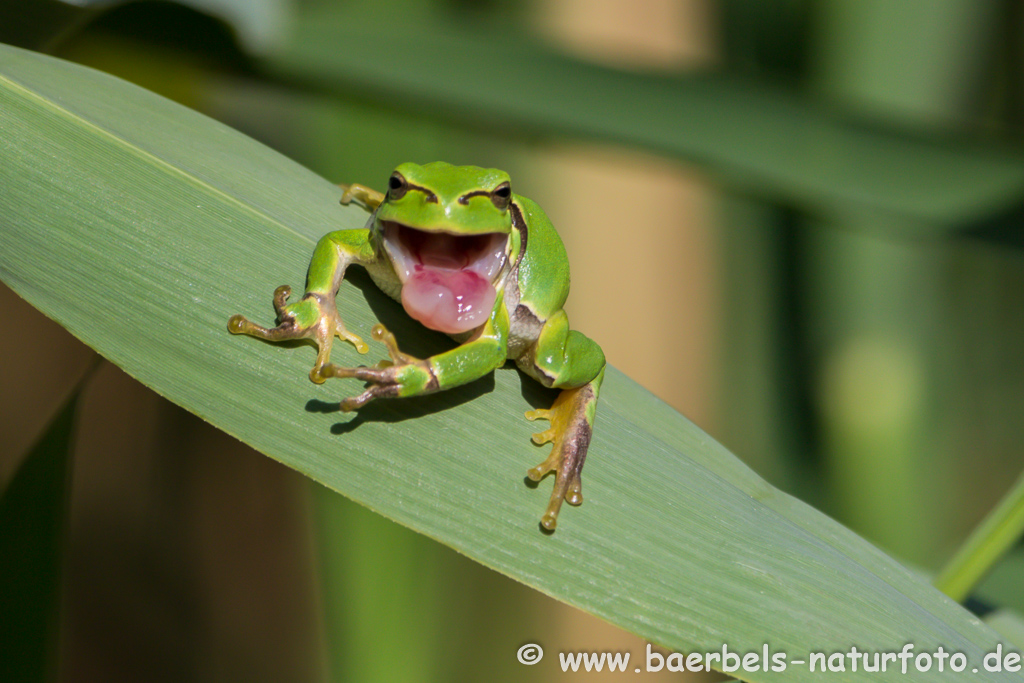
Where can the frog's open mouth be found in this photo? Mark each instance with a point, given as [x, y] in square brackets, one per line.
[448, 280]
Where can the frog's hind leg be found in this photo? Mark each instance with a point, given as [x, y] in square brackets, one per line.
[572, 421]
[571, 361]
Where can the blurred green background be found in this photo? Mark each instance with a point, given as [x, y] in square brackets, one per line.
[800, 223]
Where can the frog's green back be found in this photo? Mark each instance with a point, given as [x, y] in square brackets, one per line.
[544, 270]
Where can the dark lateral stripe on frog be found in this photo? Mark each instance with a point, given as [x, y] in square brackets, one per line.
[580, 431]
[524, 315]
[519, 224]
[579, 441]
[432, 383]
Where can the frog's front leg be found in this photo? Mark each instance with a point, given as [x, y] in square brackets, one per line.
[567, 360]
[366, 196]
[405, 375]
[315, 316]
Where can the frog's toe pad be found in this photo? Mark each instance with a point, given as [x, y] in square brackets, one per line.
[537, 473]
[551, 464]
[239, 324]
[571, 494]
[354, 339]
[550, 520]
[574, 496]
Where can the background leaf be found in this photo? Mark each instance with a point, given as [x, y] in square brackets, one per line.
[757, 135]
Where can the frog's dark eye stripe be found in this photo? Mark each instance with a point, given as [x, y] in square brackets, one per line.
[398, 186]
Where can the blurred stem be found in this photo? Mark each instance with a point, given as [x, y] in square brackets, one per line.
[985, 546]
[33, 523]
[382, 594]
[875, 304]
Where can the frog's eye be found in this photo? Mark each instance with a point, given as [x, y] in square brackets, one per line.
[502, 195]
[397, 186]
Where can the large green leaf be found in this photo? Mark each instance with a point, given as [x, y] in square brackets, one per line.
[1009, 624]
[141, 226]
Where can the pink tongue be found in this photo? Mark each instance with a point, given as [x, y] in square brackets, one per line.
[449, 301]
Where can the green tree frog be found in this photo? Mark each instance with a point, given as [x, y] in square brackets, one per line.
[467, 257]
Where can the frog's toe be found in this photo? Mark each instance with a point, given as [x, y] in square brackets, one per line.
[281, 295]
[550, 519]
[382, 334]
[354, 339]
[547, 436]
[374, 392]
[568, 489]
[545, 468]
[239, 324]
[568, 486]
[378, 375]
[538, 414]
[285, 330]
[574, 493]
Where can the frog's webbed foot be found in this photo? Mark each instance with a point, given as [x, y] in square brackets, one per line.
[569, 434]
[314, 317]
[403, 375]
